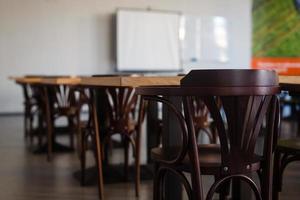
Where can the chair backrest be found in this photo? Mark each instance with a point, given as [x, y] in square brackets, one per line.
[246, 98]
[60, 96]
[121, 107]
[67, 99]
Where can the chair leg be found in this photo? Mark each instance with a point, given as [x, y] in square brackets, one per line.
[83, 158]
[126, 164]
[156, 189]
[137, 166]
[50, 142]
[72, 126]
[40, 129]
[277, 179]
[30, 131]
[25, 124]
[236, 189]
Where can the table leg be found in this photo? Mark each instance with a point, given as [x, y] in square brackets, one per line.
[152, 128]
[49, 124]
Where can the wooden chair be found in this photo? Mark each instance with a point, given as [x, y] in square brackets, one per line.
[62, 101]
[33, 111]
[120, 119]
[63, 104]
[286, 150]
[36, 96]
[29, 110]
[247, 97]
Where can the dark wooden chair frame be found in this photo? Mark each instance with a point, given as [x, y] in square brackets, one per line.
[286, 150]
[32, 110]
[123, 104]
[285, 153]
[245, 108]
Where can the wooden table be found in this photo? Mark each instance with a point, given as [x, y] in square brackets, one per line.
[120, 81]
[129, 81]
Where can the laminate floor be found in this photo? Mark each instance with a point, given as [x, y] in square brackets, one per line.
[27, 176]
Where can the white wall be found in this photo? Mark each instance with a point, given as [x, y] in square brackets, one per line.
[77, 36]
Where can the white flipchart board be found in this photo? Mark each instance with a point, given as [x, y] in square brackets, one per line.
[148, 40]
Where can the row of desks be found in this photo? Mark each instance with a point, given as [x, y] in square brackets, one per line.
[127, 81]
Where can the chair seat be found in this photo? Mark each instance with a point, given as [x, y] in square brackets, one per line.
[209, 157]
[121, 126]
[289, 145]
[66, 111]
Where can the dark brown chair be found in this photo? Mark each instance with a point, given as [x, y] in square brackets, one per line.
[33, 111]
[247, 98]
[30, 106]
[122, 107]
[63, 101]
[286, 150]
[120, 119]
[36, 96]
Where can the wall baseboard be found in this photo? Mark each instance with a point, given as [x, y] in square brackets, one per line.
[3, 114]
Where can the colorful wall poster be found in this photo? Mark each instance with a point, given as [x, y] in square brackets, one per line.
[276, 35]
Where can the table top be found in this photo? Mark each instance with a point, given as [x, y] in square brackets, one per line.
[128, 81]
[289, 79]
[121, 81]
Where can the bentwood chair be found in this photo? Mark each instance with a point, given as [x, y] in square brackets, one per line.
[286, 150]
[29, 110]
[33, 106]
[120, 119]
[246, 98]
[63, 103]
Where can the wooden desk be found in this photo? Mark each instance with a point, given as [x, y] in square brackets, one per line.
[122, 80]
[119, 81]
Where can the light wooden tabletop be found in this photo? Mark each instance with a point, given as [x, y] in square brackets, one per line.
[289, 79]
[26, 79]
[130, 81]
